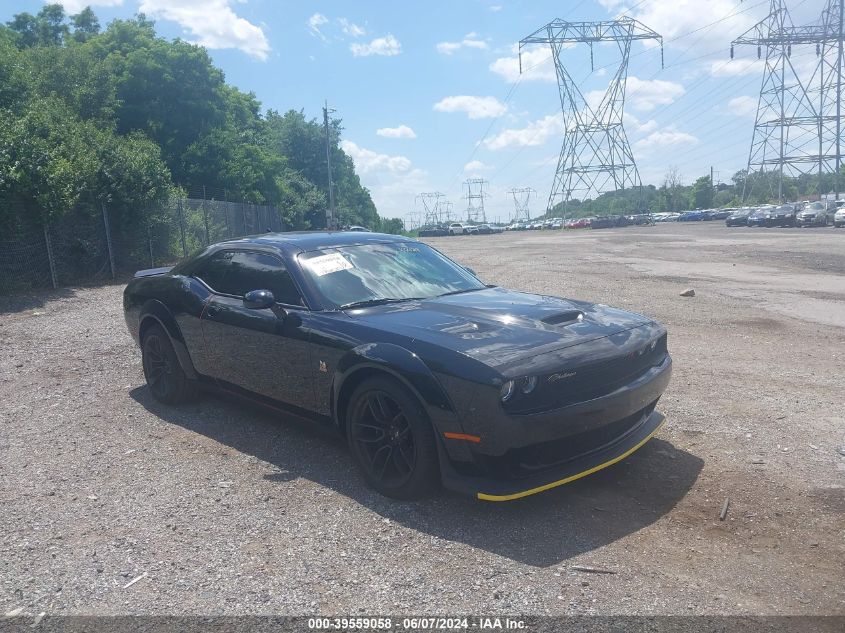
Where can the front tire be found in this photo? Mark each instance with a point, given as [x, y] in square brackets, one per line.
[162, 369]
[392, 440]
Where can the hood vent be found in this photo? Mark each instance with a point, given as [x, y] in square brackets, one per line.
[563, 317]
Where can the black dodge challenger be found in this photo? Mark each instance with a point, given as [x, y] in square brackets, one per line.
[433, 376]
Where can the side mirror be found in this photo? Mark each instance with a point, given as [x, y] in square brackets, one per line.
[259, 299]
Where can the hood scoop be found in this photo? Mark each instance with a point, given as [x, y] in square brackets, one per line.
[570, 316]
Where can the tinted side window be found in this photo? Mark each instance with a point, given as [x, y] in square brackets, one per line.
[258, 271]
[213, 270]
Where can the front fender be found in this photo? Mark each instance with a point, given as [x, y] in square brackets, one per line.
[156, 310]
[401, 363]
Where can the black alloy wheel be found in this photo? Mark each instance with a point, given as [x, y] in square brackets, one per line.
[162, 370]
[391, 440]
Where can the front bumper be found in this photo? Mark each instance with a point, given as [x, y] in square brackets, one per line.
[488, 489]
[520, 455]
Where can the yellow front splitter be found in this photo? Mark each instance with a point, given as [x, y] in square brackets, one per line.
[570, 478]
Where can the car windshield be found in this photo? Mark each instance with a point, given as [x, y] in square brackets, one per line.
[379, 273]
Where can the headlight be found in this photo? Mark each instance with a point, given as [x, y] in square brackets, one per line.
[528, 384]
[507, 390]
[525, 385]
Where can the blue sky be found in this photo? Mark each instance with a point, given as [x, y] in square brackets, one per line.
[430, 93]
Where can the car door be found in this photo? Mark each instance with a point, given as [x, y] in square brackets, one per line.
[261, 350]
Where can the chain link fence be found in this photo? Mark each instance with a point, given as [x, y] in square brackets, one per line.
[86, 247]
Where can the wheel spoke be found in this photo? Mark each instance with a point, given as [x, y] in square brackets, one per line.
[401, 461]
[378, 408]
[380, 435]
[382, 455]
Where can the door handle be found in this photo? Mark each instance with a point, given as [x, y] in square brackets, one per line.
[211, 310]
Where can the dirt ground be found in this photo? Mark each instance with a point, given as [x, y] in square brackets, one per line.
[222, 508]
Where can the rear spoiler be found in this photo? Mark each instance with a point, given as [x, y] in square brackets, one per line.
[151, 272]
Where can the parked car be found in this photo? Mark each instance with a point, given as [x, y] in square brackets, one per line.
[721, 214]
[435, 230]
[782, 215]
[355, 227]
[691, 216]
[608, 222]
[739, 217]
[839, 217]
[483, 229]
[666, 217]
[758, 217]
[814, 214]
[431, 376]
[458, 228]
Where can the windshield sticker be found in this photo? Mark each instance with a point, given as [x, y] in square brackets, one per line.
[327, 264]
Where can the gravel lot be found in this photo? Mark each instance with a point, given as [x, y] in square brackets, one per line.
[227, 509]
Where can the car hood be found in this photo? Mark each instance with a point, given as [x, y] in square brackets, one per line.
[500, 327]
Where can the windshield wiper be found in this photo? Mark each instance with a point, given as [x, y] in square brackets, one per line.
[457, 292]
[377, 302]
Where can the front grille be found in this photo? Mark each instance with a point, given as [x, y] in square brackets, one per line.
[531, 460]
[589, 381]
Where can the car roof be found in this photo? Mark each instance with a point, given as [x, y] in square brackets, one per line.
[301, 241]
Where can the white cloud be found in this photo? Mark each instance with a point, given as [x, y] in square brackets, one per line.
[664, 139]
[535, 133]
[72, 7]
[674, 20]
[402, 131]
[367, 161]
[647, 94]
[470, 41]
[475, 107]
[475, 167]
[387, 46]
[634, 126]
[315, 22]
[350, 28]
[736, 67]
[495, 7]
[743, 106]
[212, 23]
[537, 65]
[394, 194]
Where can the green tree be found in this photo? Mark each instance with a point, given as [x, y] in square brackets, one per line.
[85, 25]
[701, 196]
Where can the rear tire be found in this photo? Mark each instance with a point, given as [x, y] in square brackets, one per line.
[162, 369]
[392, 440]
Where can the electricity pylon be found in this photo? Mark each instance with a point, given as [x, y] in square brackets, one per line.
[595, 153]
[521, 197]
[431, 206]
[445, 209]
[798, 127]
[475, 199]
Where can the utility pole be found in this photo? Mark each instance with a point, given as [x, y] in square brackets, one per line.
[330, 213]
[595, 154]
